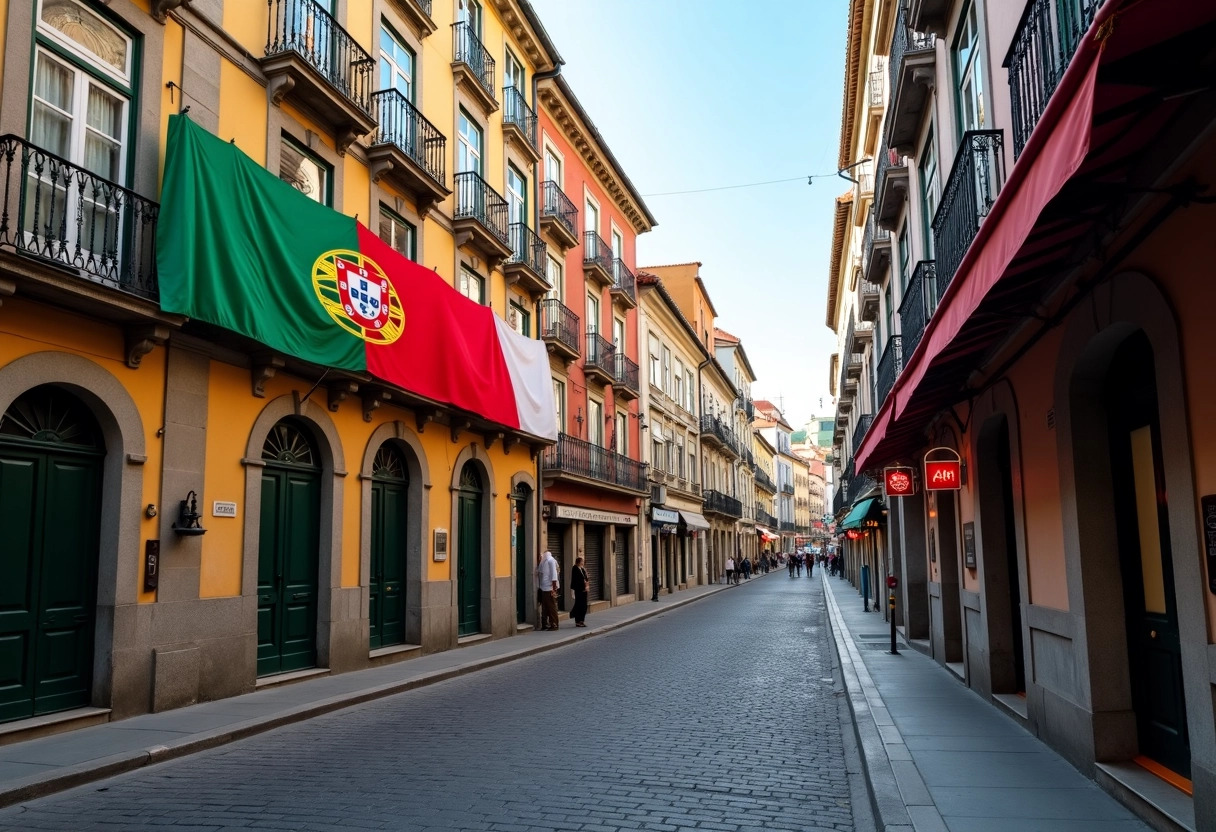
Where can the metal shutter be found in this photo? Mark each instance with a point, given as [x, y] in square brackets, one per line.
[593, 544]
[622, 561]
[556, 535]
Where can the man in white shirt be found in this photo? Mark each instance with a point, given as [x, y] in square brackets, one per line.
[730, 569]
[546, 590]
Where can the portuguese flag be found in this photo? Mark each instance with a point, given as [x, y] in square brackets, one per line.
[239, 248]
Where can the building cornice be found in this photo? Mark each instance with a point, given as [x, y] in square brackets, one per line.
[521, 21]
[840, 223]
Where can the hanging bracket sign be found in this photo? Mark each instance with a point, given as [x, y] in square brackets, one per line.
[898, 481]
[943, 474]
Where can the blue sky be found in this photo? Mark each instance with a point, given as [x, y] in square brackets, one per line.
[694, 94]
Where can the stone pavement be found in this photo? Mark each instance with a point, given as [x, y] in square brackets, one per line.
[42, 766]
[724, 715]
[940, 758]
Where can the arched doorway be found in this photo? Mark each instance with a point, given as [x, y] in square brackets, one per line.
[389, 547]
[51, 453]
[523, 564]
[1141, 510]
[468, 559]
[288, 550]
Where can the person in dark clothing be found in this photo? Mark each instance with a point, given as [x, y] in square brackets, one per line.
[580, 583]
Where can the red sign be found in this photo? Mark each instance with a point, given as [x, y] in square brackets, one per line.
[943, 475]
[892, 581]
[898, 481]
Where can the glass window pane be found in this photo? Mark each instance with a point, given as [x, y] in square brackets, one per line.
[303, 173]
[92, 34]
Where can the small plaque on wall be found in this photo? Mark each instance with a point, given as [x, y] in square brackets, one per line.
[441, 545]
[1208, 510]
[969, 545]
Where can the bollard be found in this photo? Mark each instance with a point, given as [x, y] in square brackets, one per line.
[892, 582]
[865, 587]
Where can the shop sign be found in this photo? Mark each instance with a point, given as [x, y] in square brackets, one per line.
[943, 474]
[898, 481]
[592, 515]
[664, 515]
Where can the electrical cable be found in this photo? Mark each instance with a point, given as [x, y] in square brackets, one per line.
[809, 180]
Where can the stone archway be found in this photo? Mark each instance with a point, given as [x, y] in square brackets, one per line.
[490, 592]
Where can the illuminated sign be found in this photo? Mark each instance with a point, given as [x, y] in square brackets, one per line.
[898, 481]
[943, 475]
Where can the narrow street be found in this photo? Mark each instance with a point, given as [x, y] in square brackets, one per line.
[719, 715]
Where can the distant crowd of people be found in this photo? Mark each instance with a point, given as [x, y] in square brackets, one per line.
[742, 568]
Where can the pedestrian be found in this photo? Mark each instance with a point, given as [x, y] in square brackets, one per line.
[580, 583]
[810, 564]
[730, 570]
[790, 565]
[747, 569]
[546, 591]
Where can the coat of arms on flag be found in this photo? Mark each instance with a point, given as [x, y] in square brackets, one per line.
[358, 295]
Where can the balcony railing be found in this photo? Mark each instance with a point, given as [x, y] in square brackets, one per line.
[1046, 39]
[559, 323]
[838, 501]
[477, 200]
[303, 27]
[623, 280]
[515, 111]
[905, 40]
[600, 353]
[555, 203]
[787, 488]
[786, 525]
[529, 249]
[625, 372]
[876, 89]
[597, 253]
[720, 503]
[469, 50]
[719, 428]
[914, 308]
[873, 234]
[860, 429]
[889, 366]
[764, 480]
[402, 125]
[975, 179]
[62, 213]
[764, 518]
[572, 455]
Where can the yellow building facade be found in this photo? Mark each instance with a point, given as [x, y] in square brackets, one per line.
[241, 516]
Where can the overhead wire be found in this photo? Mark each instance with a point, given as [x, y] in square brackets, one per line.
[809, 179]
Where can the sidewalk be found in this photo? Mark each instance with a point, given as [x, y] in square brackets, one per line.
[940, 758]
[38, 767]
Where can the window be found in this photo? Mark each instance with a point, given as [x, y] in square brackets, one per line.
[680, 458]
[559, 403]
[398, 234]
[618, 335]
[618, 252]
[469, 144]
[622, 434]
[669, 457]
[472, 286]
[396, 63]
[930, 190]
[656, 453]
[678, 381]
[593, 314]
[591, 217]
[520, 319]
[968, 72]
[595, 422]
[904, 256]
[512, 74]
[305, 172]
[469, 11]
[666, 371]
[81, 115]
[554, 272]
[690, 392]
[517, 196]
[655, 376]
[889, 325]
[692, 465]
[553, 166]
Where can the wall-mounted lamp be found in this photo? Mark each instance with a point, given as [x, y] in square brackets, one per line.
[187, 517]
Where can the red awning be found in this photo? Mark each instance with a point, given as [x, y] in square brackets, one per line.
[1111, 104]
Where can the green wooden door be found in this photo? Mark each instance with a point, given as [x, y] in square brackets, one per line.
[289, 541]
[468, 561]
[50, 497]
[390, 508]
[523, 570]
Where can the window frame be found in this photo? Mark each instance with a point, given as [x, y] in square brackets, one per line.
[413, 232]
[387, 61]
[462, 143]
[525, 318]
[465, 274]
[301, 148]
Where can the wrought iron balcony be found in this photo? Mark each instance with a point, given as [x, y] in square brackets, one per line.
[787, 525]
[716, 430]
[718, 503]
[765, 519]
[838, 503]
[624, 285]
[764, 481]
[417, 13]
[529, 260]
[875, 251]
[1046, 39]
[519, 122]
[859, 486]
[598, 364]
[579, 458]
[868, 303]
[558, 216]
[625, 377]
[911, 64]
[975, 180]
[877, 93]
[473, 65]
[787, 488]
[890, 187]
[889, 367]
[408, 150]
[312, 60]
[64, 214]
[597, 259]
[860, 429]
[480, 218]
[915, 308]
[559, 328]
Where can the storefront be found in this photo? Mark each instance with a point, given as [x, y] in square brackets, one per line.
[607, 542]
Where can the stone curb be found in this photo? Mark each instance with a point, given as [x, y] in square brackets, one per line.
[69, 777]
[898, 795]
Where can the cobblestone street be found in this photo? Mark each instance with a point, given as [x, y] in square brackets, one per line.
[719, 715]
